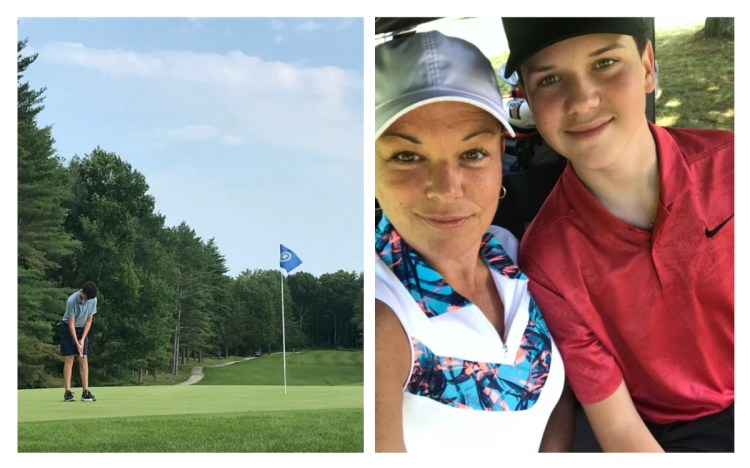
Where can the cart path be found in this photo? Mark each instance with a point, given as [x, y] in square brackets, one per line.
[197, 374]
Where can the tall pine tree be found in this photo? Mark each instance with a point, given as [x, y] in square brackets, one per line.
[42, 241]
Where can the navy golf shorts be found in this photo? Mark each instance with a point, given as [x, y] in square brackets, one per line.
[67, 346]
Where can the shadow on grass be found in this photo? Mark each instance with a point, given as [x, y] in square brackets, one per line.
[696, 80]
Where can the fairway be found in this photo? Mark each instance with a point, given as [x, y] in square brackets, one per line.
[47, 405]
[263, 431]
[230, 417]
[309, 367]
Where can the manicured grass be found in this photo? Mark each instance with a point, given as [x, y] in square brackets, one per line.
[321, 411]
[309, 367]
[335, 430]
[696, 80]
[119, 402]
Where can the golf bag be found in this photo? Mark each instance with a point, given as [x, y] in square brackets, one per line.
[530, 166]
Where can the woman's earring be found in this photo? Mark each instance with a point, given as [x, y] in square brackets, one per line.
[503, 192]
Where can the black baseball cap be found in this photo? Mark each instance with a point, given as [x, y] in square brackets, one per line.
[527, 36]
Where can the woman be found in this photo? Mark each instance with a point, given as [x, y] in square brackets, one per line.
[464, 360]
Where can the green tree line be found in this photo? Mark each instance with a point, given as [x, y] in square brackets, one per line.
[164, 294]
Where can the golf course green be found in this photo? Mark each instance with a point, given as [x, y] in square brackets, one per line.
[217, 417]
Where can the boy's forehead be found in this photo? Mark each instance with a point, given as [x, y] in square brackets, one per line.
[527, 36]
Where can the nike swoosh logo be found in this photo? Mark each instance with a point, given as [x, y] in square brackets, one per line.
[712, 232]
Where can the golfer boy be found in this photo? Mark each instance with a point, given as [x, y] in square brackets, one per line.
[74, 341]
[631, 257]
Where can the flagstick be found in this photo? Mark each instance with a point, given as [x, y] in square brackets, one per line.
[283, 332]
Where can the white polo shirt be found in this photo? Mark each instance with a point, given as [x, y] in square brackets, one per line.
[468, 388]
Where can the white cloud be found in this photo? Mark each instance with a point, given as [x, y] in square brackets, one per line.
[346, 23]
[232, 68]
[113, 61]
[309, 25]
[237, 97]
[193, 132]
[231, 140]
[278, 39]
[277, 25]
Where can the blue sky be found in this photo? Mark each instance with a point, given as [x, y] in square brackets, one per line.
[248, 129]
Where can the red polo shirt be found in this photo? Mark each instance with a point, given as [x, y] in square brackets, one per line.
[653, 308]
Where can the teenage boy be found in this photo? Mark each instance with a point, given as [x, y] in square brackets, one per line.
[74, 341]
[631, 257]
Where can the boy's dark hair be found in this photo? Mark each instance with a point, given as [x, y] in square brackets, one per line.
[89, 289]
[640, 41]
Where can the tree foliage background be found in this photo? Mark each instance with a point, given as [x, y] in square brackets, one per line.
[164, 292]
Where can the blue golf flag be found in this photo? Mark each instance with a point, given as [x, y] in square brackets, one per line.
[288, 259]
